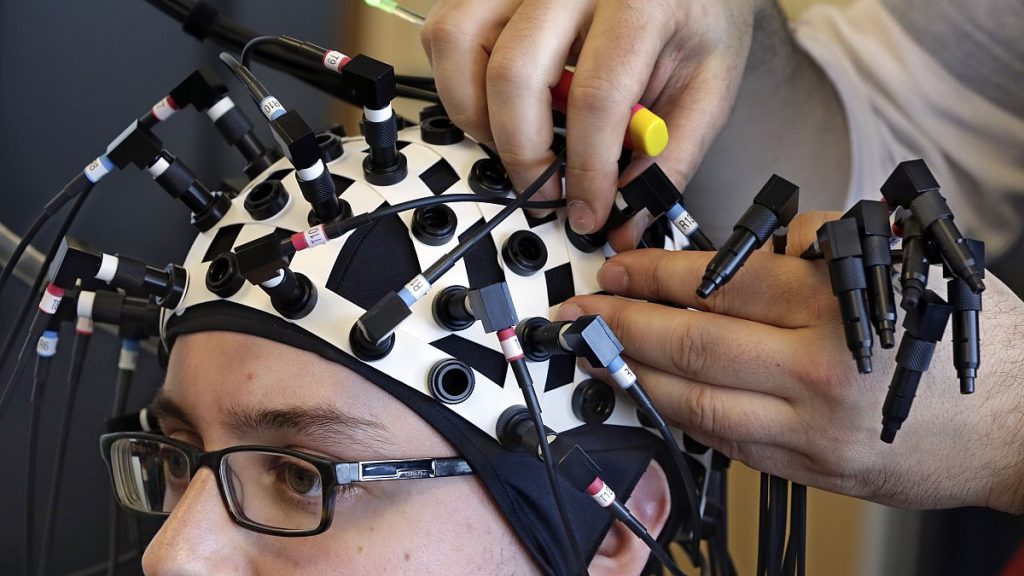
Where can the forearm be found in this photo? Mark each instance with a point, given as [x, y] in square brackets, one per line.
[787, 119]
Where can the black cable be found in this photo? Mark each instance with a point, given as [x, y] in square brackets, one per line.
[622, 514]
[78, 352]
[32, 297]
[341, 227]
[229, 35]
[644, 404]
[525, 381]
[798, 530]
[762, 525]
[78, 185]
[122, 387]
[42, 371]
[256, 89]
[437, 269]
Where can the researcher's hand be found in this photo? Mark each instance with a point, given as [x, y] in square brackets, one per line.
[763, 375]
[495, 63]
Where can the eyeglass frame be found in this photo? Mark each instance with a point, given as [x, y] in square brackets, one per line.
[333, 474]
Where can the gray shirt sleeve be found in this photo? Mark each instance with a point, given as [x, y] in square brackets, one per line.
[979, 42]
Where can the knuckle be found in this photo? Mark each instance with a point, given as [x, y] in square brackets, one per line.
[704, 411]
[687, 349]
[443, 32]
[507, 70]
[592, 94]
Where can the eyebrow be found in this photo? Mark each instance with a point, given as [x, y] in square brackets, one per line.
[319, 424]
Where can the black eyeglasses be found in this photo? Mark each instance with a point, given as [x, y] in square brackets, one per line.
[265, 489]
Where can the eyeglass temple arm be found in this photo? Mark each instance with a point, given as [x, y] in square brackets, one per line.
[349, 472]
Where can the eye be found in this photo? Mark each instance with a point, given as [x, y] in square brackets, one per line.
[301, 480]
[175, 464]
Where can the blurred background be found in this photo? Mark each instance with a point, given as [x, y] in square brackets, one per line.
[76, 73]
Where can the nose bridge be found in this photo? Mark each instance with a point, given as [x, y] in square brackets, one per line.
[199, 537]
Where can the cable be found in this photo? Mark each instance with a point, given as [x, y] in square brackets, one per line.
[794, 563]
[525, 381]
[77, 186]
[126, 365]
[45, 350]
[256, 88]
[83, 334]
[643, 402]
[444, 264]
[30, 300]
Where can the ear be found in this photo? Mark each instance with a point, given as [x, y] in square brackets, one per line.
[621, 552]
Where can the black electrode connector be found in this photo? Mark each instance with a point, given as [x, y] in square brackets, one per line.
[203, 90]
[840, 244]
[924, 326]
[374, 85]
[872, 218]
[587, 337]
[916, 261]
[966, 321]
[260, 259]
[300, 144]
[73, 260]
[138, 145]
[182, 184]
[293, 295]
[138, 316]
[372, 336]
[166, 286]
[774, 206]
[450, 309]
[913, 187]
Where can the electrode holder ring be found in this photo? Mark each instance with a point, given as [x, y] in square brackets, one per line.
[344, 214]
[366, 350]
[223, 277]
[386, 176]
[301, 307]
[524, 253]
[215, 210]
[434, 225]
[593, 401]
[266, 200]
[331, 147]
[586, 243]
[439, 130]
[488, 177]
[177, 282]
[451, 381]
[440, 305]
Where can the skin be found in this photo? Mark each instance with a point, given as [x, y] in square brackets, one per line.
[760, 371]
[388, 527]
[495, 63]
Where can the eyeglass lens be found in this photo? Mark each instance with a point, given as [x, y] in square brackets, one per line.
[265, 488]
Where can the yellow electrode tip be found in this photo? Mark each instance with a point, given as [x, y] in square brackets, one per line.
[648, 133]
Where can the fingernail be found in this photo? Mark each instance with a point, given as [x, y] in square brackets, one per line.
[613, 278]
[581, 217]
[569, 312]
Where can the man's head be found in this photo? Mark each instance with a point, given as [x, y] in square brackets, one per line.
[228, 389]
[236, 358]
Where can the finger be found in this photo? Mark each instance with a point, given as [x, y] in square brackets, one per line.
[458, 38]
[770, 289]
[702, 346]
[528, 59]
[613, 70]
[628, 235]
[803, 230]
[765, 457]
[725, 413]
[695, 108]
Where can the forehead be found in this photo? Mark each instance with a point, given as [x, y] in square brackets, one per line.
[211, 374]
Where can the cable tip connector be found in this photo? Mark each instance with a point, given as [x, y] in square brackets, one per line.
[887, 338]
[708, 285]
